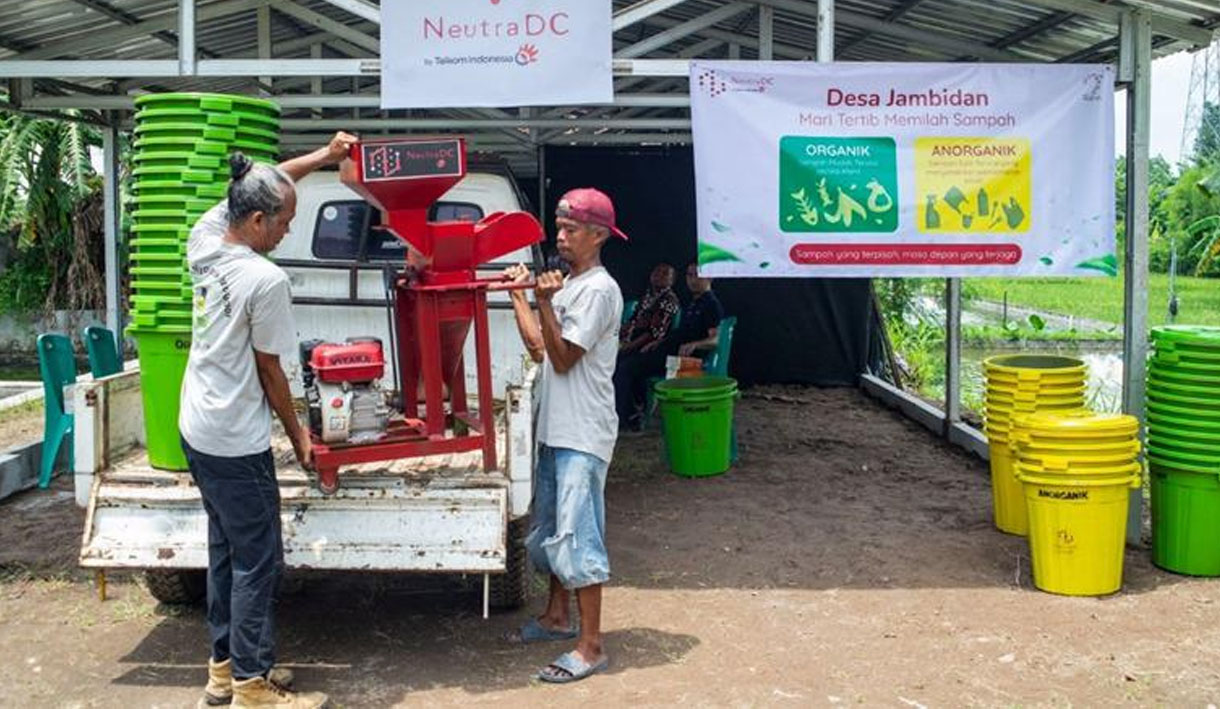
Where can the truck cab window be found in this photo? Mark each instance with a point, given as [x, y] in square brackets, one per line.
[342, 228]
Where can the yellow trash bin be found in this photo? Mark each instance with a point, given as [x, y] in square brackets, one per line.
[1077, 529]
[1077, 470]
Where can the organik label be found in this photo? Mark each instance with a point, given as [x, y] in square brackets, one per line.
[836, 185]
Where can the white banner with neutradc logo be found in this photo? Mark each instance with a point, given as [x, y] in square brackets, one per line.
[460, 53]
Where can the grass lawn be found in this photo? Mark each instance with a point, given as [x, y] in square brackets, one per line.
[1102, 298]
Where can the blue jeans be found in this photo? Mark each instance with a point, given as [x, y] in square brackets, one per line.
[245, 556]
[568, 517]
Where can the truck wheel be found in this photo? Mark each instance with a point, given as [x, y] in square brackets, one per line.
[177, 586]
[508, 590]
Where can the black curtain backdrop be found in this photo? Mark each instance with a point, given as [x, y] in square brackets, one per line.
[789, 330]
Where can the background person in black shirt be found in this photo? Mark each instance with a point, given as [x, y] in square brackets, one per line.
[697, 333]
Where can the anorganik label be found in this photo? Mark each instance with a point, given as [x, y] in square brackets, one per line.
[973, 185]
[837, 185]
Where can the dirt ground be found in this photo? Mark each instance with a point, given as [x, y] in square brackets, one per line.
[849, 559]
[21, 424]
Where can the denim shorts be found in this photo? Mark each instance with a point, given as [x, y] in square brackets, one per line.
[568, 517]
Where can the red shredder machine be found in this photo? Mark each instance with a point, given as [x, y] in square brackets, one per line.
[436, 300]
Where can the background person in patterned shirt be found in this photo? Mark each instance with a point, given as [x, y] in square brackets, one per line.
[653, 315]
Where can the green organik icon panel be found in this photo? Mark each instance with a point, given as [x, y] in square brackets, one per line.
[837, 185]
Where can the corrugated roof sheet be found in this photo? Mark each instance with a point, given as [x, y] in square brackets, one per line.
[1029, 30]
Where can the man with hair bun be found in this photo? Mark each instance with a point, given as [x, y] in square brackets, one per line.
[242, 324]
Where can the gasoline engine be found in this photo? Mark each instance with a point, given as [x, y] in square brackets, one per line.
[343, 390]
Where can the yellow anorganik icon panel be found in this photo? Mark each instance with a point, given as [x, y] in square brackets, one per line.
[973, 185]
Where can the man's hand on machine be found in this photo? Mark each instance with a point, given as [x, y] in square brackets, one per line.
[339, 146]
[548, 284]
[302, 446]
[332, 153]
[516, 276]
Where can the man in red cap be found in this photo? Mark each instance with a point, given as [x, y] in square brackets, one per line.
[575, 338]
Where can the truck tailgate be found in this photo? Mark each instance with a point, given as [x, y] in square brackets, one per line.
[389, 523]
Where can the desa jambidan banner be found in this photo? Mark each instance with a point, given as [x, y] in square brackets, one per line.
[848, 170]
[456, 53]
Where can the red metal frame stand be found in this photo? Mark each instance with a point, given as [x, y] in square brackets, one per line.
[436, 308]
[435, 360]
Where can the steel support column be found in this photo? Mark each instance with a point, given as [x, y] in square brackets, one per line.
[110, 205]
[263, 29]
[1136, 62]
[826, 30]
[766, 33]
[186, 37]
[953, 353]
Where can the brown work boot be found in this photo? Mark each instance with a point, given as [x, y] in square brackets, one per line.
[263, 693]
[220, 682]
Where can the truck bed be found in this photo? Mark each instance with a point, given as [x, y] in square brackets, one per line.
[465, 468]
[439, 513]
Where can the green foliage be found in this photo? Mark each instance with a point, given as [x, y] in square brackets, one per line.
[918, 339]
[1205, 234]
[23, 286]
[1161, 179]
[1176, 202]
[1189, 204]
[50, 215]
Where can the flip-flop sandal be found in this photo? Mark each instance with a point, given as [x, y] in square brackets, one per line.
[575, 667]
[535, 632]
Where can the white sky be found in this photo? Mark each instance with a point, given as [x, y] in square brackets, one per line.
[1170, 91]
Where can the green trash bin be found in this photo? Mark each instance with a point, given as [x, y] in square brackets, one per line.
[1185, 519]
[1183, 408]
[697, 420]
[163, 356]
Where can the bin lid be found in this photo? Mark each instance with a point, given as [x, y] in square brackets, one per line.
[1032, 366]
[186, 114]
[1165, 465]
[1203, 336]
[1081, 423]
[206, 101]
[1116, 478]
[696, 388]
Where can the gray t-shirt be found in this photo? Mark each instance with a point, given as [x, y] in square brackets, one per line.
[242, 303]
[577, 409]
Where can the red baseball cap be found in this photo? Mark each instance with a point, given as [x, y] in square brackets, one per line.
[589, 206]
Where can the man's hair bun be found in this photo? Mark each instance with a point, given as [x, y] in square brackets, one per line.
[239, 165]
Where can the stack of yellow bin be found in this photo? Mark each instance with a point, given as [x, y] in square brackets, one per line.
[1018, 385]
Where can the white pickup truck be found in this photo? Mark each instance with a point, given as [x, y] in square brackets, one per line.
[435, 514]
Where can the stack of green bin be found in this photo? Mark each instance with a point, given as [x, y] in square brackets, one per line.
[182, 144]
[1183, 411]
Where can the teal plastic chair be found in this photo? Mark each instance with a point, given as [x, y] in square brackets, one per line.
[57, 365]
[628, 311]
[716, 363]
[103, 352]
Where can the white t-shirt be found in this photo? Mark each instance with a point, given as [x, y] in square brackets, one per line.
[242, 303]
[577, 409]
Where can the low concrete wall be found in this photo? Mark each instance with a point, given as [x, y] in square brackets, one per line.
[19, 331]
[960, 434]
[19, 467]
